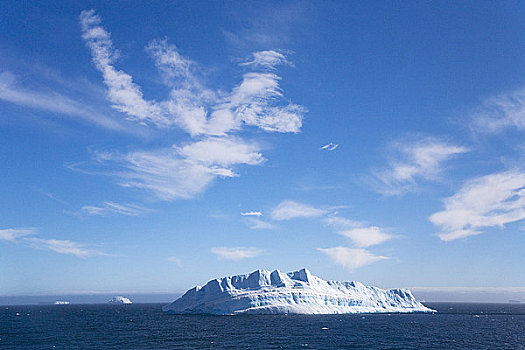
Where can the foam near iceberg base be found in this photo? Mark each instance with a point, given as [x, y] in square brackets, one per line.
[298, 292]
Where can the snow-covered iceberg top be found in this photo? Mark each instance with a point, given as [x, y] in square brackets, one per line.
[119, 300]
[298, 292]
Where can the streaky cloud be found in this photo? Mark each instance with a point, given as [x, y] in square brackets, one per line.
[500, 112]
[190, 106]
[258, 224]
[14, 234]
[182, 172]
[330, 146]
[351, 258]
[412, 162]
[289, 209]
[210, 118]
[108, 208]
[489, 201]
[54, 102]
[236, 253]
[25, 236]
[269, 59]
[364, 237]
[251, 213]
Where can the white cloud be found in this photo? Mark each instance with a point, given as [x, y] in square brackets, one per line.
[19, 235]
[351, 258]
[192, 107]
[125, 95]
[175, 260]
[175, 67]
[489, 201]
[209, 117]
[330, 146]
[236, 253]
[222, 152]
[182, 172]
[108, 208]
[500, 112]
[421, 160]
[287, 210]
[14, 234]
[267, 59]
[340, 222]
[253, 103]
[366, 236]
[251, 213]
[63, 247]
[258, 224]
[53, 102]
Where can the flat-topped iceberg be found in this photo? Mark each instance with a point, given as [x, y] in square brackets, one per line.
[298, 292]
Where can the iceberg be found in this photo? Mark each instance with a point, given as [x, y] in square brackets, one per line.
[119, 300]
[298, 292]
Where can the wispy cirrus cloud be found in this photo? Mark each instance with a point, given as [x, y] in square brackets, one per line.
[364, 237]
[175, 260]
[258, 224]
[181, 172]
[109, 208]
[55, 102]
[339, 222]
[209, 117]
[414, 161]
[190, 106]
[330, 146]
[25, 236]
[236, 253]
[351, 258]
[269, 59]
[360, 235]
[288, 209]
[14, 234]
[489, 201]
[498, 113]
[251, 213]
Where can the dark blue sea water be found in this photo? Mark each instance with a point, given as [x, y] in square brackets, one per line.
[145, 326]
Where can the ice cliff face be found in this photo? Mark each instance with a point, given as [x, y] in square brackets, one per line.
[298, 292]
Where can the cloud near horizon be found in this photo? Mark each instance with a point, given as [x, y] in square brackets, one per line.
[208, 117]
[489, 201]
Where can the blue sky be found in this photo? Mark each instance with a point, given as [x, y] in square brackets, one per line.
[154, 147]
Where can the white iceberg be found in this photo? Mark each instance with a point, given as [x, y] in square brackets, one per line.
[298, 292]
[119, 300]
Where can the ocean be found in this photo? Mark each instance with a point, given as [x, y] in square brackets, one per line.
[145, 326]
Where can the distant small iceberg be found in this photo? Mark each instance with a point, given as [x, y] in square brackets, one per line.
[56, 302]
[119, 300]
